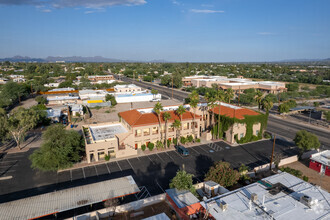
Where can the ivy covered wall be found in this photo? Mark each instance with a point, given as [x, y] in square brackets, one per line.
[249, 120]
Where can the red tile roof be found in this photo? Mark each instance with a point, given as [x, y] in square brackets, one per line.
[231, 112]
[134, 118]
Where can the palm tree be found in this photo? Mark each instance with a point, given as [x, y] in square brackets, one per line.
[180, 111]
[166, 116]
[211, 104]
[229, 95]
[267, 104]
[258, 98]
[177, 125]
[193, 102]
[219, 97]
[158, 108]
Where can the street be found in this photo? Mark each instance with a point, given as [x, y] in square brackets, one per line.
[153, 171]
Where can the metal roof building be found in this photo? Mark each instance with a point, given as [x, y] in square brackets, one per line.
[64, 200]
[282, 196]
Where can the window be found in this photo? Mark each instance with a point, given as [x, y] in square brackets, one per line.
[257, 132]
[138, 133]
[155, 130]
[170, 129]
[242, 135]
[146, 131]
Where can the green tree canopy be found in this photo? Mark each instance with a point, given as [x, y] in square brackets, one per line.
[60, 149]
[223, 174]
[306, 140]
[183, 181]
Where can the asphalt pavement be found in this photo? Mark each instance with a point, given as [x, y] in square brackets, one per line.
[153, 171]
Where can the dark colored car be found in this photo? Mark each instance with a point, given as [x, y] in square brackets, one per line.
[182, 150]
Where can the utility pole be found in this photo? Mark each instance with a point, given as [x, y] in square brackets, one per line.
[172, 86]
[271, 159]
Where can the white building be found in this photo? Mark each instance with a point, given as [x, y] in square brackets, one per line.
[281, 196]
[137, 97]
[127, 88]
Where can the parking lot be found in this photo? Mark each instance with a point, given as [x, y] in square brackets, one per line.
[153, 171]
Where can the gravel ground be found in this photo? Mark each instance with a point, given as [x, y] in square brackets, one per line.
[313, 176]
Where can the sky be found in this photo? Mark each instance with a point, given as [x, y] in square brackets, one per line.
[171, 30]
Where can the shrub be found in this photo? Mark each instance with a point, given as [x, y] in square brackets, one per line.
[107, 111]
[77, 114]
[168, 143]
[143, 147]
[183, 140]
[305, 178]
[197, 140]
[267, 135]
[107, 157]
[175, 141]
[294, 172]
[159, 145]
[151, 146]
[190, 139]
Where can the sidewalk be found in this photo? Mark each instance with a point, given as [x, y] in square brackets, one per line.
[141, 153]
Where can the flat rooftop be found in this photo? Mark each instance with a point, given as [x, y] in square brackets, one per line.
[104, 132]
[279, 201]
[182, 198]
[322, 157]
[64, 200]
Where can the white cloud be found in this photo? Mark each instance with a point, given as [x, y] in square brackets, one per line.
[206, 11]
[207, 5]
[46, 10]
[176, 2]
[95, 4]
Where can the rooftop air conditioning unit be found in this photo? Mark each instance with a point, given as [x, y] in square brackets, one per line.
[223, 205]
[307, 200]
[254, 197]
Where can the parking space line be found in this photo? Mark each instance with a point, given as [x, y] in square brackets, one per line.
[160, 158]
[203, 149]
[159, 186]
[96, 170]
[71, 175]
[83, 172]
[195, 150]
[151, 160]
[169, 156]
[108, 168]
[198, 180]
[130, 164]
[178, 154]
[119, 166]
[138, 158]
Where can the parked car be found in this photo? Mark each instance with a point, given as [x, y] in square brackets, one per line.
[182, 150]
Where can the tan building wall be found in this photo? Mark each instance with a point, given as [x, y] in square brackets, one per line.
[240, 130]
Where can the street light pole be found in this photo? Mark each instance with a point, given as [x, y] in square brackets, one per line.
[271, 159]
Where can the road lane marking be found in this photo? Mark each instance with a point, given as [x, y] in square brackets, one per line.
[178, 154]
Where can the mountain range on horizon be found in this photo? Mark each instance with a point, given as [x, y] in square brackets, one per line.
[100, 59]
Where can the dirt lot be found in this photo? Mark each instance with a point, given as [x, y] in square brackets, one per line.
[313, 176]
[28, 103]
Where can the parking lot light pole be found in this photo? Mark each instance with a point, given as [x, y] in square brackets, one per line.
[271, 159]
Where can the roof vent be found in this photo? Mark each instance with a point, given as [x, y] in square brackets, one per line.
[307, 200]
[254, 197]
[223, 206]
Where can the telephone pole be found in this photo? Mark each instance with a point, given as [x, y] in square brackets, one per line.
[271, 159]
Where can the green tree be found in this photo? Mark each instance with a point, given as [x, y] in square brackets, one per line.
[193, 102]
[316, 104]
[258, 98]
[154, 92]
[223, 174]
[111, 98]
[180, 111]
[41, 100]
[267, 104]
[3, 124]
[177, 126]
[20, 122]
[59, 150]
[166, 116]
[292, 87]
[183, 181]
[282, 108]
[229, 95]
[158, 108]
[306, 140]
